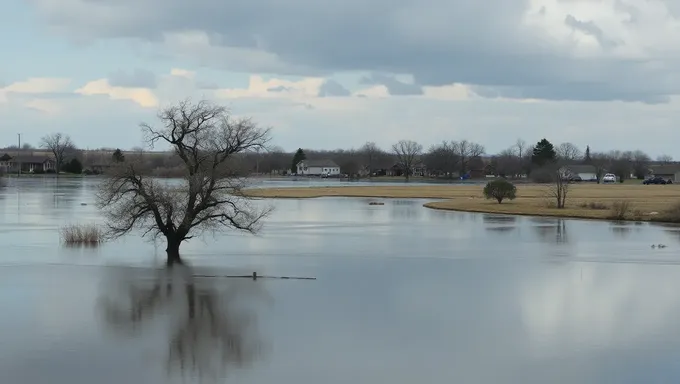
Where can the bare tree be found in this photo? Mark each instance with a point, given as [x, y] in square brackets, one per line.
[560, 185]
[369, 152]
[601, 162]
[408, 154]
[465, 151]
[568, 151]
[520, 145]
[59, 144]
[666, 159]
[210, 197]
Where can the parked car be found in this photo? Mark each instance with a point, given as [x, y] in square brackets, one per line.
[656, 180]
[609, 178]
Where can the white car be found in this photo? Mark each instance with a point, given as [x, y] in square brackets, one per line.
[609, 178]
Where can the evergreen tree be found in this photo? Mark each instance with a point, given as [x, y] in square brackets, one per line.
[544, 153]
[118, 156]
[298, 157]
[586, 158]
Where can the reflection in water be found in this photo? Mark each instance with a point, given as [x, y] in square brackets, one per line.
[622, 229]
[499, 219]
[210, 329]
[500, 223]
[550, 230]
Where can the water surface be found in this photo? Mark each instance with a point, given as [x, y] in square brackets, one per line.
[403, 294]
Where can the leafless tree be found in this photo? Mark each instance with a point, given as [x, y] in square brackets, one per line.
[520, 145]
[666, 159]
[506, 163]
[60, 145]
[210, 196]
[369, 153]
[408, 154]
[465, 151]
[601, 162]
[560, 186]
[568, 152]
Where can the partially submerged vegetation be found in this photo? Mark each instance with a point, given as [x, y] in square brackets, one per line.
[82, 234]
[589, 201]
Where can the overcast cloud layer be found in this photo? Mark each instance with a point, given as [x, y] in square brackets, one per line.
[547, 49]
[330, 74]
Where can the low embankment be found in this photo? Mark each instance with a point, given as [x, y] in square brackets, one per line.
[589, 201]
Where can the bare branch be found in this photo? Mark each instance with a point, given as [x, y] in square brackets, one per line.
[59, 144]
[210, 196]
[408, 154]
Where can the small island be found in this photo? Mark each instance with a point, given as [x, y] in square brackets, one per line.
[587, 201]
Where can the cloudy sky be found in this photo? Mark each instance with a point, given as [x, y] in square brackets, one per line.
[329, 74]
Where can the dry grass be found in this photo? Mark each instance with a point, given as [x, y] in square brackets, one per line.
[620, 210]
[590, 201]
[82, 234]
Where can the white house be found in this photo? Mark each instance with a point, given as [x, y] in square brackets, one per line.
[318, 168]
[586, 172]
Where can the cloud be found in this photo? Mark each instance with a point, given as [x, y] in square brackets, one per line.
[37, 85]
[547, 49]
[142, 96]
[258, 87]
[332, 88]
[394, 86]
[45, 106]
[139, 78]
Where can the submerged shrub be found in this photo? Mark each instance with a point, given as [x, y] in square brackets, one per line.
[500, 190]
[85, 234]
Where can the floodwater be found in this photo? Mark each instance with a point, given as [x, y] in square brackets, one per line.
[403, 294]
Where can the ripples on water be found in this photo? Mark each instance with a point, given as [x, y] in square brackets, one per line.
[404, 294]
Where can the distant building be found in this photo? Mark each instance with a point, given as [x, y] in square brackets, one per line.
[318, 168]
[29, 163]
[667, 171]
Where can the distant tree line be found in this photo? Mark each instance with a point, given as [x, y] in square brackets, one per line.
[448, 159]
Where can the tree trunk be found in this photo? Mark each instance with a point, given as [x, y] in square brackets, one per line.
[173, 252]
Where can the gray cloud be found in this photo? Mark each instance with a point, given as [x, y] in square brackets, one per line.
[332, 88]
[483, 43]
[394, 86]
[139, 78]
[591, 29]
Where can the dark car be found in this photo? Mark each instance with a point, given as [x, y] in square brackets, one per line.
[656, 180]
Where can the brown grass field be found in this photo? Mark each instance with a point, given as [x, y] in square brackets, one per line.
[588, 201]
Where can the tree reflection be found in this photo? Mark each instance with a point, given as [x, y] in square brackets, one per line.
[551, 229]
[210, 329]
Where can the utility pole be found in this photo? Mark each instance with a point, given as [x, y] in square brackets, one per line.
[18, 154]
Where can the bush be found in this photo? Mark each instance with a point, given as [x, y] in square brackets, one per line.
[74, 166]
[83, 234]
[671, 215]
[51, 171]
[620, 210]
[542, 175]
[500, 190]
[594, 205]
[38, 171]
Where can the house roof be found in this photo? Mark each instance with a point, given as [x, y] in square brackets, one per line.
[33, 159]
[5, 157]
[667, 169]
[320, 163]
[582, 168]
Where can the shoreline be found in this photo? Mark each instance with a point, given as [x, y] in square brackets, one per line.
[584, 202]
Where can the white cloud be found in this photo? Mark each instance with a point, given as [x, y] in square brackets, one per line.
[182, 73]
[274, 88]
[49, 107]
[142, 96]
